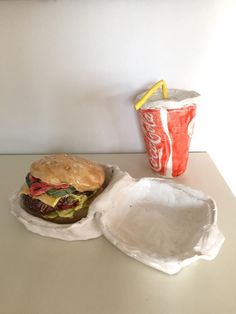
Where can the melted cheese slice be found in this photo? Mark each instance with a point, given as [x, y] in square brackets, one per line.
[46, 199]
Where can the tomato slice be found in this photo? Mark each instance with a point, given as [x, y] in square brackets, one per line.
[33, 179]
[38, 187]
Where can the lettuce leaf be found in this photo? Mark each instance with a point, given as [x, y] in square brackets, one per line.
[61, 192]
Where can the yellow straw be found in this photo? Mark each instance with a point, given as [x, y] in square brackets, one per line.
[151, 91]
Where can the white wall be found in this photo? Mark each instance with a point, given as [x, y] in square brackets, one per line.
[69, 71]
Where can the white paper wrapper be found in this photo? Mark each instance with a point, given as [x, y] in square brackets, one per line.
[162, 224]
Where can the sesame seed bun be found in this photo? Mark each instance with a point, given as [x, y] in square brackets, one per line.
[82, 174]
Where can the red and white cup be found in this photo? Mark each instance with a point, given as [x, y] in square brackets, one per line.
[167, 126]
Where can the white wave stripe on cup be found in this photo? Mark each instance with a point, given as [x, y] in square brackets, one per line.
[164, 121]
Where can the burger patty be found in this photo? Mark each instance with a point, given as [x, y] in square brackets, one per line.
[39, 207]
[28, 204]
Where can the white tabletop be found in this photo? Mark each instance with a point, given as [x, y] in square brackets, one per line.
[41, 275]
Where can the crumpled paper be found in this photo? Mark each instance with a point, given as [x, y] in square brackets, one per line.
[160, 223]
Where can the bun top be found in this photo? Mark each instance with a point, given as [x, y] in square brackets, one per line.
[82, 174]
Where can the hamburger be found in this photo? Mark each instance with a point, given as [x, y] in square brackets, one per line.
[60, 188]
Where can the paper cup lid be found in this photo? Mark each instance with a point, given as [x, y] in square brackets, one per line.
[178, 98]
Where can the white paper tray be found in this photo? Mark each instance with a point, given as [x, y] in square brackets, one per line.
[162, 224]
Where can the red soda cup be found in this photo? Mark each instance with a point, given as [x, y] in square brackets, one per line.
[167, 126]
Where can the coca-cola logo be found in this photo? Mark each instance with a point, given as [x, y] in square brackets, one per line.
[152, 139]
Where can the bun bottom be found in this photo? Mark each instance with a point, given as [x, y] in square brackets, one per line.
[81, 213]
